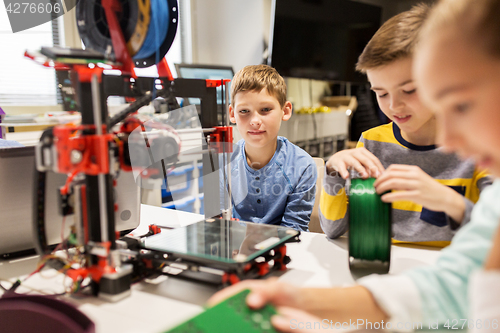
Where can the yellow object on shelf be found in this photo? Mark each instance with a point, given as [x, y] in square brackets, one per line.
[341, 103]
[320, 109]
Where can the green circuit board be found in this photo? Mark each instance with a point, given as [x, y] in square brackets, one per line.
[231, 315]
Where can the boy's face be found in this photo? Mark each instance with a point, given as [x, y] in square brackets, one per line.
[258, 116]
[398, 99]
[462, 85]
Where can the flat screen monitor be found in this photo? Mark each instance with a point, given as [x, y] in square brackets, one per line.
[321, 39]
[210, 72]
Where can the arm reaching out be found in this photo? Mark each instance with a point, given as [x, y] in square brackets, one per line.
[333, 210]
[337, 304]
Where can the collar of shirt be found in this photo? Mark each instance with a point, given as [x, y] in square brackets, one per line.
[273, 160]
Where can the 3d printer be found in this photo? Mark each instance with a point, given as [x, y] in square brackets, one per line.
[122, 35]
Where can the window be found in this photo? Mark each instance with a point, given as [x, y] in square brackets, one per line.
[26, 83]
[22, 81]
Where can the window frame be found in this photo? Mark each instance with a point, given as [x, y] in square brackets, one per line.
[68, 33]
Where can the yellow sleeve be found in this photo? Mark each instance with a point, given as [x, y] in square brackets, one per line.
[333, 207]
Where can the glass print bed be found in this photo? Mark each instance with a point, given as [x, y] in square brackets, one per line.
[220, 240]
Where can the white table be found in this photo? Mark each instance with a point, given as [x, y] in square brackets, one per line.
[156, 306]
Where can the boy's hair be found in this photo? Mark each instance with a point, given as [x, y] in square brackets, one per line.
[476, 20]
[256, 78]
[394, 40]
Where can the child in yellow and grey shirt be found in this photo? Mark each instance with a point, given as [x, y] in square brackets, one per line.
[411, 221]
[433, 192]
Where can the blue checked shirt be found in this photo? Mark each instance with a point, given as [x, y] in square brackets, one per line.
[280, 193]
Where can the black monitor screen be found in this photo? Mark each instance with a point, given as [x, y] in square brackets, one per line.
[321, 39]
[194, 71]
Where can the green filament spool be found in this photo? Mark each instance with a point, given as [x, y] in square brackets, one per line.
[369, 224]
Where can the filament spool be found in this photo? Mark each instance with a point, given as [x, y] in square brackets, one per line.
[148, 27]
[370, 229]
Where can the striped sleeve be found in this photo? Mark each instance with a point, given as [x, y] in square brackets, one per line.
[334, 203]
[333, 212]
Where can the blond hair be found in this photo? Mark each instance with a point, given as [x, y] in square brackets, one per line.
[476, 20]
[256, 78]
[394, 40]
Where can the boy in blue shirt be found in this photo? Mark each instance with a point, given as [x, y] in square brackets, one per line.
[272, 180]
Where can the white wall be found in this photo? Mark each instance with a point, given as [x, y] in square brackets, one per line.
[228, 32]
[233, 32]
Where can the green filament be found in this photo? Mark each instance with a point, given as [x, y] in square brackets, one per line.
[369, 222]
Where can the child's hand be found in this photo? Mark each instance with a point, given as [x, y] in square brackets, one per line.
[298, 321]
[364, 162]
[412, 184]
